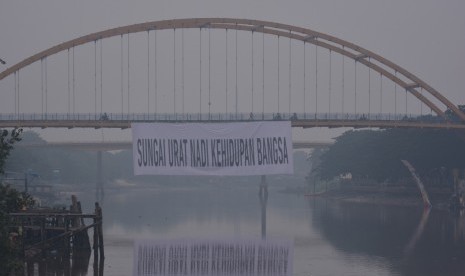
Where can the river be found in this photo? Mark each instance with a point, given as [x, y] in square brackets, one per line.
[330, 237]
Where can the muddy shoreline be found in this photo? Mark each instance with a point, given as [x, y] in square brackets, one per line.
[395, 196]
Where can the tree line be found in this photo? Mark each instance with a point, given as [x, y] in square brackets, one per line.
[377, 154]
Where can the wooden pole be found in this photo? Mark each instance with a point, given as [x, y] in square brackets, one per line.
[100, 239]
[66, 239]
[95, 245]
[42, 233]
[98, 232]
[263, 195]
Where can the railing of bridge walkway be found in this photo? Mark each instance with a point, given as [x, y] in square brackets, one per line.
[144, 117]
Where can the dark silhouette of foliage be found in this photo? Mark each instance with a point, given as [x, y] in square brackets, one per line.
[10, 201]
[7, 139]
[376, 154]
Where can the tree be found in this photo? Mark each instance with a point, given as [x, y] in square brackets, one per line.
[376, 154]
[7, 139]
[10, 201]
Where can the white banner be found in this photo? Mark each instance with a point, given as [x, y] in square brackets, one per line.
[213, 258]
[245, 148]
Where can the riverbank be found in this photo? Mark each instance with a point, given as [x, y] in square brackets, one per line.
[396, 196]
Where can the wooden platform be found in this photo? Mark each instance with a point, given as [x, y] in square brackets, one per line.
[37, 231]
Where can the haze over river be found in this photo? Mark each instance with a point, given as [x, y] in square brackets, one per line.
[330, 237]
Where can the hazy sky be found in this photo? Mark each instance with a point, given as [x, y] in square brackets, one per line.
[426, 37]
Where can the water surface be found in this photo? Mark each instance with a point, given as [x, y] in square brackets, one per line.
[330, 237]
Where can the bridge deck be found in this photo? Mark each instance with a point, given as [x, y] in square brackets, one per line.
[307, 123]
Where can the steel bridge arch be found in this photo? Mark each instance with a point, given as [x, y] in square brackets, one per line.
[385, 67]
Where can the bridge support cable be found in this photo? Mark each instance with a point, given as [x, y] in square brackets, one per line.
[316, 81]
[15, 92]
[155, 72]
[252, 76]
[395, 96]
[129, 80]
[74, 85]
[369, 90]
[209, 74]
[355, 87]
[342, 84]
[19, 91]
[69, 88]
[278, 75]
[42, 86]
[122, 79]
[226, 71]
[182, 69]
[46, 86]
[329, 85]
[289, 77]
[174, 73]
[263, 76]
[101, 75]
[17, 88]
[16, 112]
[200, 73]
[95, 79]
[148, 71]
[305, 80]
[237, 96]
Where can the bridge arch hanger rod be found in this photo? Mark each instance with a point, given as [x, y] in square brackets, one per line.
[329, 42]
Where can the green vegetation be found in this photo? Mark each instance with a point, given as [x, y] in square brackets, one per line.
[376, 155]
[10, 201]
[7, 139]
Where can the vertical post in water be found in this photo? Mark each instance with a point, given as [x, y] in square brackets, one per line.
[263, 195]
[95, 243]
[98, 233]
[42, 234]
[67, 238]
[99, 184]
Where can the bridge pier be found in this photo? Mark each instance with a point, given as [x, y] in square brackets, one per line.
[99, 190]
[263, 195]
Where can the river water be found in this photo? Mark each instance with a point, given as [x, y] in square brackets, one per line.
[330, 237]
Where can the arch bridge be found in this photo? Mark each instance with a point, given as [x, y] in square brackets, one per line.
[217, 69]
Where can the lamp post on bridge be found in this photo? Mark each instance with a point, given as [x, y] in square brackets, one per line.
[2, 61]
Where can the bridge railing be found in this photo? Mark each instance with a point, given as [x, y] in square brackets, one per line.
[141, 117]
